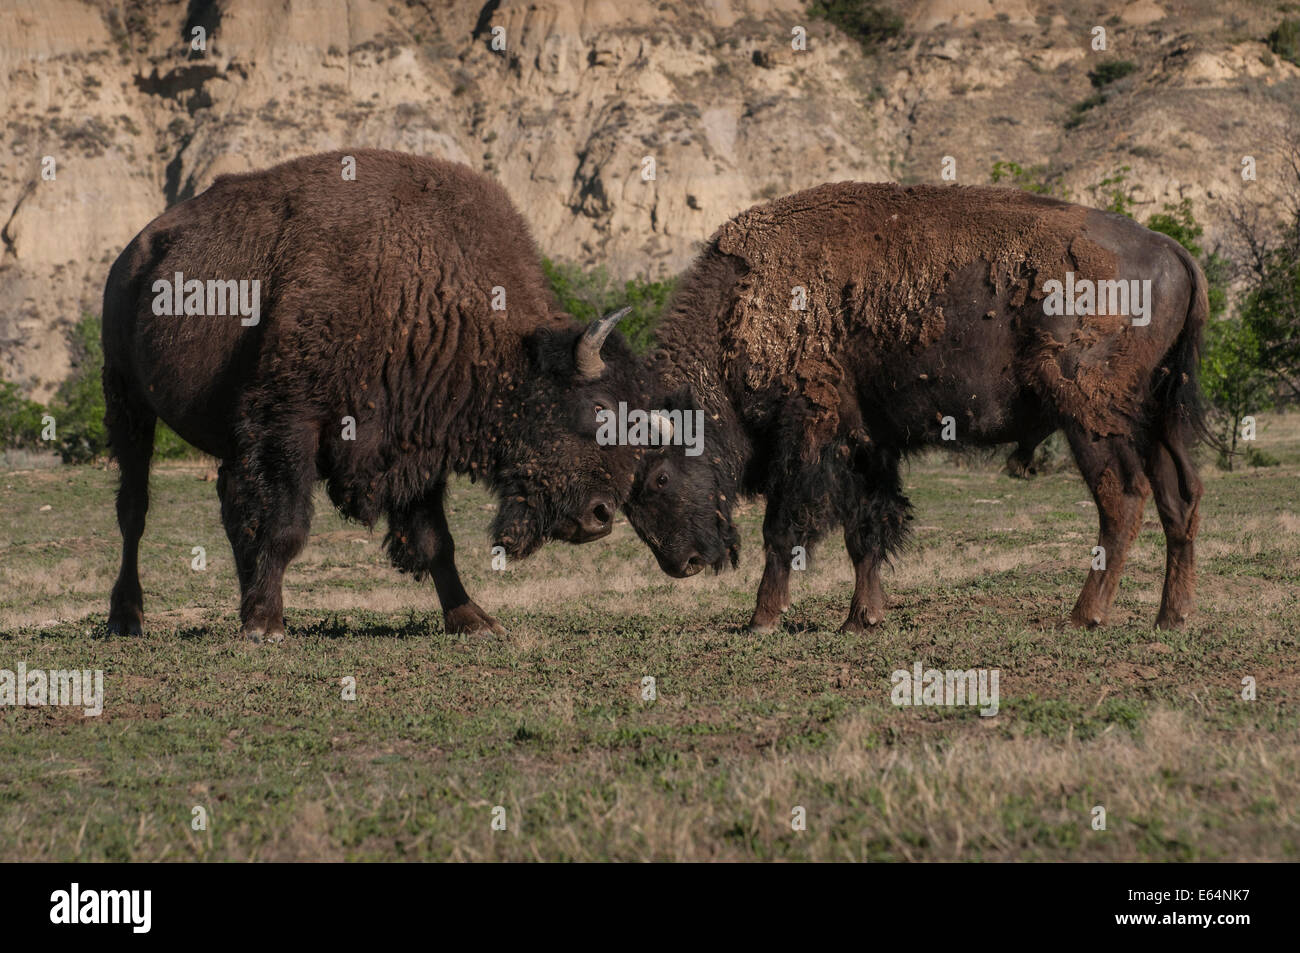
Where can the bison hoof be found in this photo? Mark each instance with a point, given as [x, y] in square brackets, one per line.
[258, 635]
[1170, 620]
[469, 619]
[1086, 620]
[129, 626]
[761, 625]
[859, 625]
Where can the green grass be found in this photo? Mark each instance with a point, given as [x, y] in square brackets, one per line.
[548, 722]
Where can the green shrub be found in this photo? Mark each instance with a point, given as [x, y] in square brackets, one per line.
[1178, 223]
[1113, 193]
[20, 419]
[589, 294]
[1110, 70]
[77, 409]
[867, 22]
[1032, 179]
[1080, 109]
[168, 445]
[1261, 458]
[1285, 41]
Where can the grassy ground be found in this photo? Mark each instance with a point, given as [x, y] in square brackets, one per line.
[549, 722]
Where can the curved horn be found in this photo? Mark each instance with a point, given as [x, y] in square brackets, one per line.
[664, 425]
[587, 355]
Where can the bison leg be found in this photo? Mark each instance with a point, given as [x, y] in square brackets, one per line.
[245, 558]
[267, 511]
[130, 436]
[868, 606]
[1177, 491]
[1112, 472]
[878, 530]
[774, 589]
[875, 514]
[419, 542]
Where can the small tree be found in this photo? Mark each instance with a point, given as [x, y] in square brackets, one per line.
[1232, 378]
[1269, 270]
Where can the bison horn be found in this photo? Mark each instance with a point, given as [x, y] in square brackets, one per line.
[590, 366]
[664, 425]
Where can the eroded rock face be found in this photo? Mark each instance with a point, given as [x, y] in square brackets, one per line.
[568, 114]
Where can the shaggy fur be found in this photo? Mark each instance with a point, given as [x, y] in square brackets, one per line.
[921, 304]
[376, 305]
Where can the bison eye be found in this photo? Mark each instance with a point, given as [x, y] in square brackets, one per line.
[661, 481]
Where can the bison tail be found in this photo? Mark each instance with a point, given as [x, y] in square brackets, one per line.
[1180, 405]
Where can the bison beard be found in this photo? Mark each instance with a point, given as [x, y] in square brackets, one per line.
[379, 363]
[923, 305]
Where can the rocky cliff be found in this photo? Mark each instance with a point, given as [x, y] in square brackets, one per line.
[568, 102]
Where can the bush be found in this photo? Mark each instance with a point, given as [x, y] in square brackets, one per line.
[1285, 41]
[77, 409]
[1109, 71]
[1114, 193]
[20, 419]
[1261, 458]
[1178, 223]
[1080, 109]
[865, 21]
[1033, 179]
[589, 294]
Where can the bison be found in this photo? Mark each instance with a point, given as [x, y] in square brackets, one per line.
[380, 330]
[828, 334]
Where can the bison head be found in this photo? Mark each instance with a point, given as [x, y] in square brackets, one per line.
[553, 478]
[680, 504]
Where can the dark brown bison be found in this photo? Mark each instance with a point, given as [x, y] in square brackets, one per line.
[829, 333]
[379, 333]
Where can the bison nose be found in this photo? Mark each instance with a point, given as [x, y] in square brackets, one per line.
[600, 516]
[693, 564]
